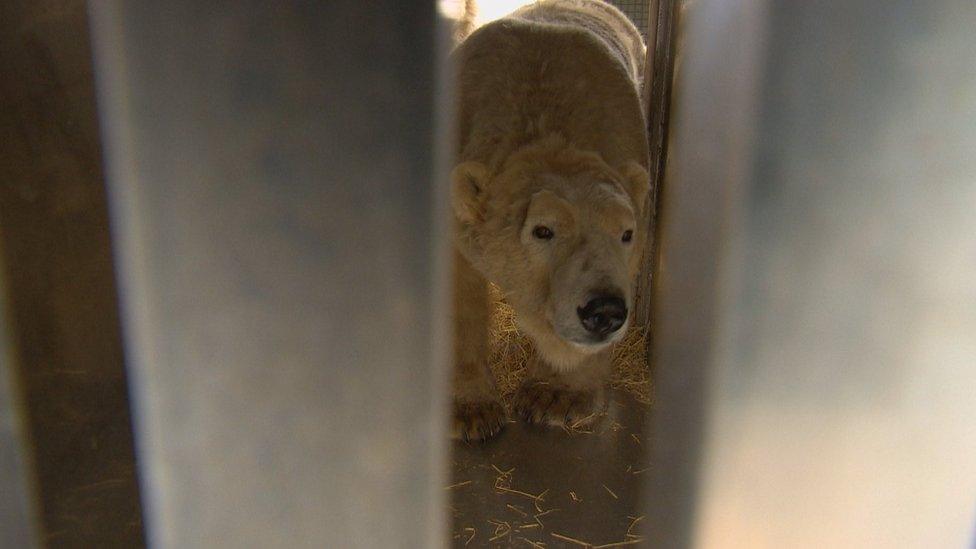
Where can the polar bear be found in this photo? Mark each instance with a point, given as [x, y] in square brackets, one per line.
[547, 192]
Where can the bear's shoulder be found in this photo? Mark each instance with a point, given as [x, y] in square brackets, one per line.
[521, 79]
[516, 41]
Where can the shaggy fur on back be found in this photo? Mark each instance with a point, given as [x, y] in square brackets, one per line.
[552, 67]
[605, 21]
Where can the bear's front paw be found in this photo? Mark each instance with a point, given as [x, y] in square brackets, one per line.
[480, 420]
[542, 403]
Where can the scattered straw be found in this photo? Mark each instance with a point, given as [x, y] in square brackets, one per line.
[504, 489]
[571, 540]
[518, 492]
[631, 373]
[503, 484]
[502, 529]
[500, 472]
[584, 425]
[633, 523]
[458, 485]
[575, 429]
[618, 544]
[540, 499]
[576, 498]
[639, 471]
[538, 516]
[636, 438]
[610, 491]
[517, 509]
[535, 544]
[588, 545]
[511, 352]
[473, 534]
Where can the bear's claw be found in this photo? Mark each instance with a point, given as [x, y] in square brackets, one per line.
[545, 404]
[477, 421]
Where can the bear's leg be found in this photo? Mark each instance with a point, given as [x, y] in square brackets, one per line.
[570, 398]
[477, 410]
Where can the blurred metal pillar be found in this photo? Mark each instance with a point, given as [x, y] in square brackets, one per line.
[658, 76]
[816, 296]
[19, 516]
[66, 348]
[272, 178]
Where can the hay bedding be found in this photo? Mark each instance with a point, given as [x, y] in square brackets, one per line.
[510, 352]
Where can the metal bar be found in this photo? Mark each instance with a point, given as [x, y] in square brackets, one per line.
[706, 176]
[658, 76]
[278, 216]
[19, 508]
[815, 309]
[63, 330]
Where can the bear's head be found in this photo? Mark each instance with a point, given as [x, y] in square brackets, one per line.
[556, 229]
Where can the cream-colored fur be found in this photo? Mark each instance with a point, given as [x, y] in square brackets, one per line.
[551, 136]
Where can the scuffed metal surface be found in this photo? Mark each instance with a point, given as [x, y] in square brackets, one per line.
[277, 213]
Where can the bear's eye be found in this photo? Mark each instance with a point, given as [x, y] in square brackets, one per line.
[628, 234]
[542, 233]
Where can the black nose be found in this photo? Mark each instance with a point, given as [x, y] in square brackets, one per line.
[603, 315]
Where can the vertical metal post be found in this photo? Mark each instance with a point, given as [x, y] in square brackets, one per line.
[62, 344]
[658, 73]
[281, 254]
[816, 313]
[19, 522]
[711, 127]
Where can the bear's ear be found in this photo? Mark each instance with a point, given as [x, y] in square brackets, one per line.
[636, 182]
[468, 181]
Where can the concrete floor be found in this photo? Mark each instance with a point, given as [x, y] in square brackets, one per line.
[590, 484]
